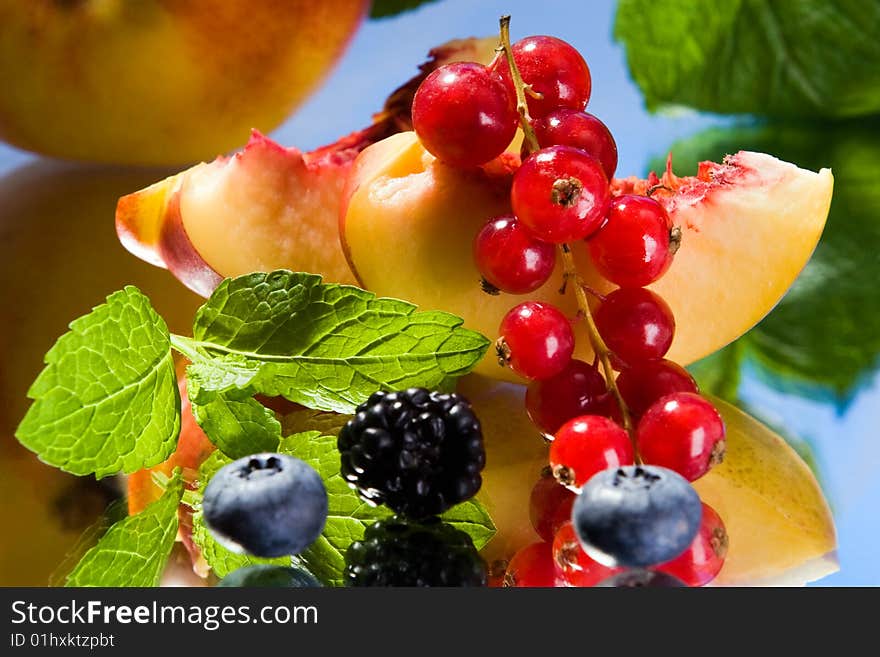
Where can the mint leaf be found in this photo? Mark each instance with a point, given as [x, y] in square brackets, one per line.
[306, 419]
[209, 468]
[825, 333]
[135, 550]
[809, 58]
[327, 347]
[107, 399]
[238, 427]
[115, 512]
[348, 515]
[386, 8]
[473, 519]
[719, 374]
[226, 373]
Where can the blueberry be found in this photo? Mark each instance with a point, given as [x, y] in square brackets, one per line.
[639, 578]
[636, 516]
[269, 576]
[268, 505]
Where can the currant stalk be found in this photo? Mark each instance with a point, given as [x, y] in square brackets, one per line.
[599, 347]
[522, 106]
[570, 270]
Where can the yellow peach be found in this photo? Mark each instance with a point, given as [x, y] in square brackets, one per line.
[160, 82]
[749, 226]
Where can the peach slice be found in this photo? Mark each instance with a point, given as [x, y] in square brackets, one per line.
[768, 497]
[266, 207]
[778, 521]
[749, 226]
[263, 208]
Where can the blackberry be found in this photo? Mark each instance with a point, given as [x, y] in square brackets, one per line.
[400, 552]
[417, 452]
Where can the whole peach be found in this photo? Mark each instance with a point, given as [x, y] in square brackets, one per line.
[160, 81]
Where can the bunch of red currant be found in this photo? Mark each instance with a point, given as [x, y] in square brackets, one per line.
[466, 115]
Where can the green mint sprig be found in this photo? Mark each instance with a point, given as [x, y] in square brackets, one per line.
[327, 347]
[108, 401]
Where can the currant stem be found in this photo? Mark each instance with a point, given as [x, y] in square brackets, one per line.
[531, 140]
[570, 270]
[599, 347]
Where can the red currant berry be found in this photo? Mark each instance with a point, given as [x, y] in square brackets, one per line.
[511, 259]
[536, 340]
[549, 506]
[532, 566]
[577, 390]
[634, 247]
[587, 445]
[464, 114]
[641, 384]
[702, 561]
[636, 324]
[682, 432]
[560, 194]
[573, 565]
[552, 68]
[567, 127]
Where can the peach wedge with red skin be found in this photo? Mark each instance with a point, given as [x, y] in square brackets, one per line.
[161, 82]
[749, 225]
[266, 207]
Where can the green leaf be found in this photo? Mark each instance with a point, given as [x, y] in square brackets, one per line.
[107, 399]
[825, 333]
[209, 468]
[238, 427]
[115, 512]
[719, 374]
[810, 58]
[207, 375]
[349, 515]
[327, 347]
[473, 519]
[302, 420]
[134, 551]
[386, 8]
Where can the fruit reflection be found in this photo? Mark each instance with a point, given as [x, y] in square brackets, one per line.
[59, 257]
